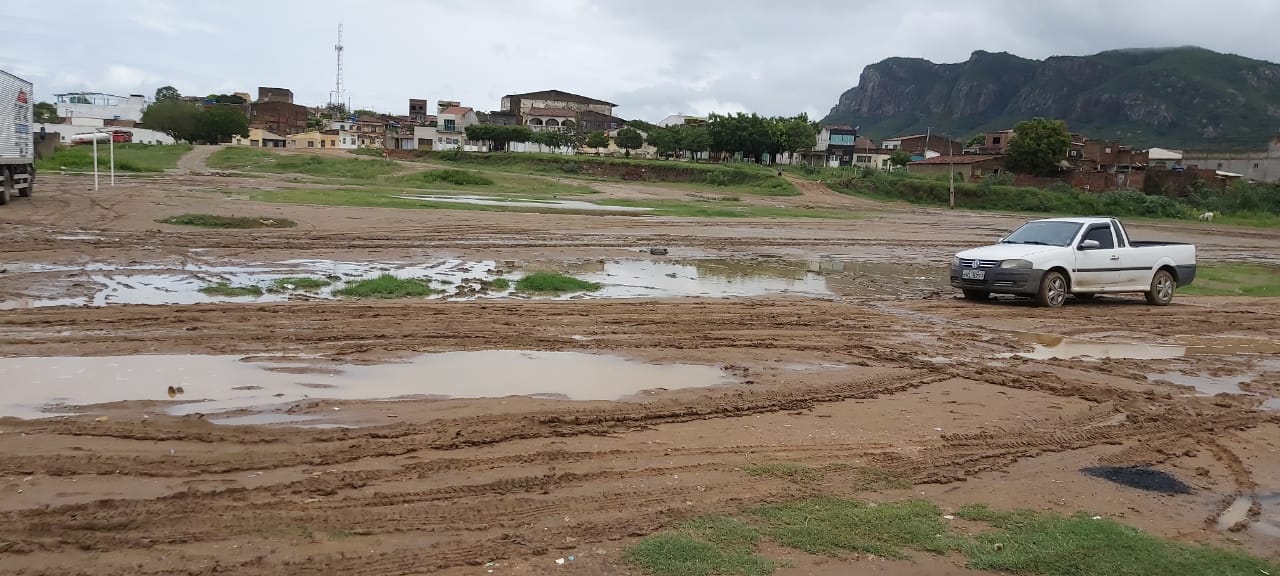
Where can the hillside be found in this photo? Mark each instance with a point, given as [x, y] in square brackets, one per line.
[1177, 97]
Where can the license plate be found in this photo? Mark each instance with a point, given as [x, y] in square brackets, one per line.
[973, 274]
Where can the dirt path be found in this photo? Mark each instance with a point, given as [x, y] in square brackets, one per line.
[858, 386]
[194, 162]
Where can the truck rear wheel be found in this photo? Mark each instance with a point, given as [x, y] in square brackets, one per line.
[31, 185]
[1053, 290]
[6, 184]
[1162, 286]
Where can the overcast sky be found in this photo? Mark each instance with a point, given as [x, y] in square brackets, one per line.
[651, 57]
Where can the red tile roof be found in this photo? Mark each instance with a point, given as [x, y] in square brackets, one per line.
[457, 110]
[959, 159]
[552, 112]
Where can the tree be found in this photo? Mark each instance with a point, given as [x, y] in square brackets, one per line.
[217, 124]
[665, 140]
[225, 99]
[1040, 145]
[978, 139]
[173, 117]
[900, 157]
[796, 134]
[364, 112]
[46, 113]
[597, 140]
[167, 93]
[498, 135]
[695, 139]
[629, 139]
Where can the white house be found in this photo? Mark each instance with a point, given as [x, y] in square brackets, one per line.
[100, 105]
[680, 120]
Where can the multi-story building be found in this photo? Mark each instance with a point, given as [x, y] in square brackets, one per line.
[269, 94]
[418, 111]
[923, 146]
[452, 120]
[99, 105]
[1260, 165]
[278, 117]
[553, 104]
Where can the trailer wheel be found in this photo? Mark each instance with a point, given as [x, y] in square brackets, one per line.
[31, 185]
[6, 184]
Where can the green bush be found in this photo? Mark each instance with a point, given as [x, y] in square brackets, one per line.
[455, 177]
[550, 282]
[386, 286]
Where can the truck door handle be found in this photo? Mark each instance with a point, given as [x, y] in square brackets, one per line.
[1114, 258]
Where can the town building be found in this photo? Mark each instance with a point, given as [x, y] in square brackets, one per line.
[924, 146]
[967, 167]
[99, 105]
[418, 111]
[541, 103]
[269, 94]
[1258, 165]
[681, 120]
[314, 139]
[452, 120]
[278, 116]
[64, 132]
[259, 138]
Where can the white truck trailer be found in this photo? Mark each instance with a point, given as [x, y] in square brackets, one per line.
[17, 151]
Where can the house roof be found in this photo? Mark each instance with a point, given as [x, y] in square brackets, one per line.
[553, 112]
[457, 110]
[958, 159]
[561, 96]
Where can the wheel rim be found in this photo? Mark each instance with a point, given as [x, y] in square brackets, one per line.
[1057, 290]
[1164, 288]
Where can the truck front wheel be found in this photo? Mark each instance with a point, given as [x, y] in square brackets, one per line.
[1162, 285]
[976, 295]
[1053, 290]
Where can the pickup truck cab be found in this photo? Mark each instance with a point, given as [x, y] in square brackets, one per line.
[1052, 258]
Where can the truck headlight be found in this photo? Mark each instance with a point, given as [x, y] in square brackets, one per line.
[955, 262]
[1016, 264]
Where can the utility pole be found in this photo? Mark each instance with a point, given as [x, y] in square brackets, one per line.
[951, 171]
[95, 161]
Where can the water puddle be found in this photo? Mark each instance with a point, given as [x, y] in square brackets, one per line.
[1267, 522]
[210, 384]
[1140, 477]
[712, 278]
[1052, 346]
[525, 203]
[449, 279]
[1205, 385]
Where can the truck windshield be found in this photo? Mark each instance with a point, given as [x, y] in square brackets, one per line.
[1044, 233]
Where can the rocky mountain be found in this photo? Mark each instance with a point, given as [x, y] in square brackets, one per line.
[1175, 97]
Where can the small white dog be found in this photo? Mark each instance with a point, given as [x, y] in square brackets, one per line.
[1206, 217]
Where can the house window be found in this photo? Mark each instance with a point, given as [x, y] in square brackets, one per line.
[995, 140]
[311, 143]
[864, 159]
[450, 125]
[1106, 150]
[1255, 164]
[1219, 165]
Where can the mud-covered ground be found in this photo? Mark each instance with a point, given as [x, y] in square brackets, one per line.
[848, 354]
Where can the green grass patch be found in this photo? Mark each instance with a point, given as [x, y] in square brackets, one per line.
[879, 479]
[1235, 280]
[129, 158]
[830, 526]
[256, 160]
[1053, 545]
[488, 182]
[704, 547]
[368, 151]
[1016, 542]
[386, 286]
[782, 470]
[455, 177]
[749, 178]
[228, 291]
[551, 282]
[498, 285]
[380, 198]
[305, 283]
[212, 221]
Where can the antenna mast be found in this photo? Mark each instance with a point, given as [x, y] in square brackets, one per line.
[338, 96]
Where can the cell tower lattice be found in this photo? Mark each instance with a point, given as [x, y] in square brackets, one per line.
[339, 94]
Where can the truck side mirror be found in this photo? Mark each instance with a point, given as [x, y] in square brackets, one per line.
[1090, 245]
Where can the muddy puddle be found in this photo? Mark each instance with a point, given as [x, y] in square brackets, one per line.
[1052, 346]
[186, 384]
[453, 279]
[524, 203]
[1267, 522]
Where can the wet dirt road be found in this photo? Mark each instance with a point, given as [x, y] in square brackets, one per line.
[912, 385]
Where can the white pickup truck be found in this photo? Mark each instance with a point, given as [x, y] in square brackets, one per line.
[1050, 259]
